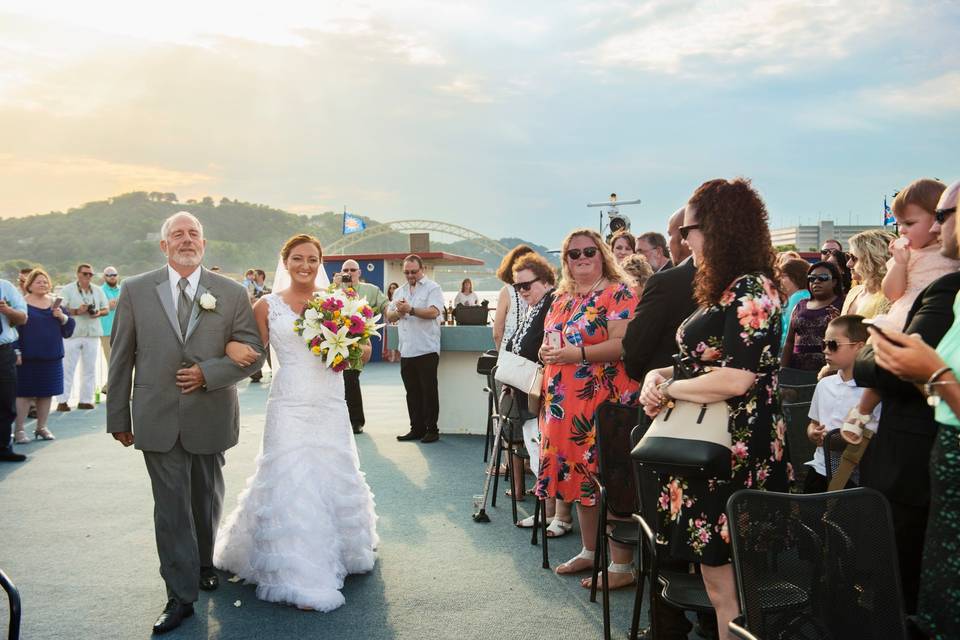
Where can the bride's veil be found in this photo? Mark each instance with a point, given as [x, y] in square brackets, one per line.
[281, 281]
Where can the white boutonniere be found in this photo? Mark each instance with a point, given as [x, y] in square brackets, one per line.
[208, 302]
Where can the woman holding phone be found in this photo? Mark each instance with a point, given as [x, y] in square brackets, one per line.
[40, 372]
[590, 313]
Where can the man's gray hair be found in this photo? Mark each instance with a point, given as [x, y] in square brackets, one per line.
[165, 228]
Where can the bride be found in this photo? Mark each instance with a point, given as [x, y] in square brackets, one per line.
[306, 517]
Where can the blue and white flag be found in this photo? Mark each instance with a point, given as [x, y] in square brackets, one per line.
[352, 224]
[888, 218]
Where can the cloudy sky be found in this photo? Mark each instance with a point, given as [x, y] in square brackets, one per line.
[505, 117]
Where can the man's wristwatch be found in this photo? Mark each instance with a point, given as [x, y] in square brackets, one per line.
[413, 312]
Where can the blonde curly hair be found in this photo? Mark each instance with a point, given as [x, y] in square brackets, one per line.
[611, 270]
[871, 248]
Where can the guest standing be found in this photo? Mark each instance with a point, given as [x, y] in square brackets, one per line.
[416, 310]
[728, 352]
[87, 304]
[111, 289]
[803, 347]
[40, 373]
[13, 313]
[510, 307]
[653, 246]
[466, 297]
[793, 284]
[623, 244]
[869, 252]
[590, 313]
[389, 354]
[639, 270]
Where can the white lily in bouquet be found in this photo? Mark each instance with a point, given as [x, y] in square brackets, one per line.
[335, 325]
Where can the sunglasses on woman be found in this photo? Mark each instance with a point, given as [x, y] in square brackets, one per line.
[574, 254]
[524, 286]
[686, 229]
[833, 345]
[941, 215]
[819, 277]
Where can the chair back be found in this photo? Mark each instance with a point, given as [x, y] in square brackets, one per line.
[816, 566]
[13, 598]
[615, 422]
[833, 448]
[796, 392]
[487, 361]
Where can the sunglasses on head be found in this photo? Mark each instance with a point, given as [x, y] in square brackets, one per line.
[819, 277]
[686, 229]
[574, 254]
[524, 286]
[833, 345]
[941, 215]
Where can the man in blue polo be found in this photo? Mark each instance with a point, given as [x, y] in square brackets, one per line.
[13, 312]
[111, 289]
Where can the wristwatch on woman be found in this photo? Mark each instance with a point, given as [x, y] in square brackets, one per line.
[664, 389]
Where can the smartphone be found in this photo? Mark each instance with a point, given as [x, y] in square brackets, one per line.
[56, 303]
[877, 325]
[554, 339]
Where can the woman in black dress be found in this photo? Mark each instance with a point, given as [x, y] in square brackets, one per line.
[728, 351]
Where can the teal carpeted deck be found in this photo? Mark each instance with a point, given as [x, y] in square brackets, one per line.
[78, 541]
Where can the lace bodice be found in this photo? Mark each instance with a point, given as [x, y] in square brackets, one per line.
[300, 375]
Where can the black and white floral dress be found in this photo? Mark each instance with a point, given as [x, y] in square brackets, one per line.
[742, 331]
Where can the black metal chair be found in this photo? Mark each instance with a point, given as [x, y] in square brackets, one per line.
[486, 365]
[511, 435]
[796, 392]
[13, 597]
[815, 566]
[614, 484]
[681, 589]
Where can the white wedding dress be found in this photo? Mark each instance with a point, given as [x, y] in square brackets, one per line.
[306, 517]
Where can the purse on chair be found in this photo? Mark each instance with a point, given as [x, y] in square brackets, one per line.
[520, 373]
[689, 439]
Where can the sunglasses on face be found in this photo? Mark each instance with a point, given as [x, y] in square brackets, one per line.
[574, 254]
[833, 345]
[89, 274]
[686, 229]
[525, 286]
[109, 275]
[941, 215]
[819, 277]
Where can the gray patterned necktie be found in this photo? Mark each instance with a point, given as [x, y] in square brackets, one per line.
[184, 307]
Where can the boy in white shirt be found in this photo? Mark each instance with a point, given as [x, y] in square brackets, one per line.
[835, 394]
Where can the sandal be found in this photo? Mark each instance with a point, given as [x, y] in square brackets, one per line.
[559, 528]
[614, 568]
[527, 523]
[501, 472]
[521, 497]
[19, 437]
[43, 432]
[568, 566]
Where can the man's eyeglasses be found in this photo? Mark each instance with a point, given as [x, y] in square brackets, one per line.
[574, 254]
[525, 286]
[411, 273]
[819, 277]
[941, 215]
[833, 345]
[89, 274]
[686, 229]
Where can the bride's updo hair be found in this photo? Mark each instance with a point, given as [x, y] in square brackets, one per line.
[301, 238]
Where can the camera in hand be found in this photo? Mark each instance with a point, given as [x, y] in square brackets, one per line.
[346, 278]
[93, 311]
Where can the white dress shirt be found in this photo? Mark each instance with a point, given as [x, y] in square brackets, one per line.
[832, 400]
[193, 281]
[419, 336]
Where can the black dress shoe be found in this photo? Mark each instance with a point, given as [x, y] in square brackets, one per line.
[430, 436]
[209, 580]
[10, 456]
[410, 435]
[173, 614]
[358, 428]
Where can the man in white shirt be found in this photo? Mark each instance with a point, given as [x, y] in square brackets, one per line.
[416, 310]
[87, 303]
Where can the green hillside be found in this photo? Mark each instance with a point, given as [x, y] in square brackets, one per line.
[124, 231]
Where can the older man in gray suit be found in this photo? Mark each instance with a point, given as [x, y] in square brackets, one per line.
[168, 346]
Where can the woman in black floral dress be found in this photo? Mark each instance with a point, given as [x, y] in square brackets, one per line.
[728, 351]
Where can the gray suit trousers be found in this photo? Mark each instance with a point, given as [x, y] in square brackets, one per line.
[188, 499]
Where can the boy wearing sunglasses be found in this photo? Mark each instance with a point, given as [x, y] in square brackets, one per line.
[835, 394]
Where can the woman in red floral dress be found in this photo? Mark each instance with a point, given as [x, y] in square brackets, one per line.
[728, 351]
[590, 312]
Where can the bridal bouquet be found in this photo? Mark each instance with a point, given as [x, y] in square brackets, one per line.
[335, 324]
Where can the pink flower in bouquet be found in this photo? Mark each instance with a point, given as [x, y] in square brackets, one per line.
[352, 293]
[357, 325]
[330, 324]
[332, 304]
[367, 312]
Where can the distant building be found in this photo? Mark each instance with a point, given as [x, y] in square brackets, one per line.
[812, 237]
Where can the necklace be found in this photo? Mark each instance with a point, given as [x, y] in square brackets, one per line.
[593, 287]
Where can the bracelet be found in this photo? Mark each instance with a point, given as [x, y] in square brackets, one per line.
[664, 389]
[933, 398]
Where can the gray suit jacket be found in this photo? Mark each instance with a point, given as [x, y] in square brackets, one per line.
[147, 351]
